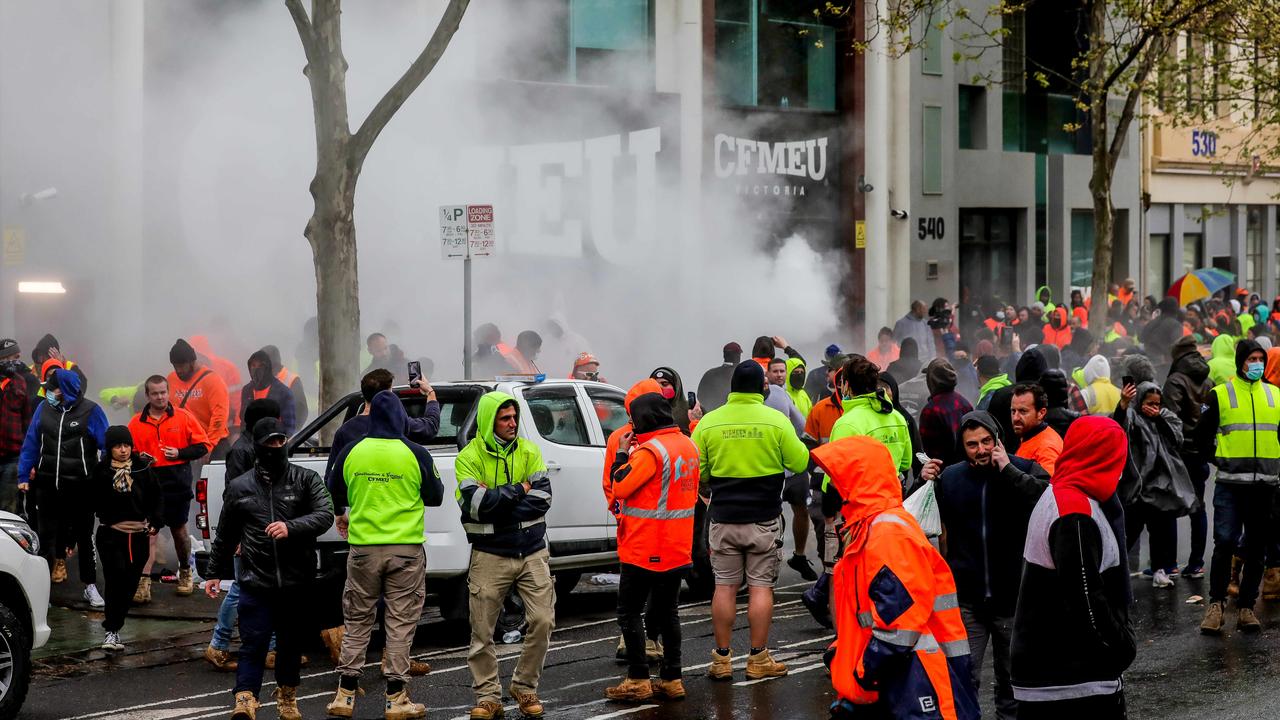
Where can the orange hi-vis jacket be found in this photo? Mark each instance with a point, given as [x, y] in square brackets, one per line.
[656, 493]
[176, 428]
[900, 643]
[207, 401]
[611, 448]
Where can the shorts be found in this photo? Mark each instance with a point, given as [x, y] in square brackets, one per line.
[175, 489]
[751, 548]
[795, 490]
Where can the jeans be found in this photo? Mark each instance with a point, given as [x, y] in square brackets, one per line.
[227, 613]
[1199, 472]
[1162, 533]
[284, 611]
[1237, 508]
[662, 591]
[984, 626]
[10, 499]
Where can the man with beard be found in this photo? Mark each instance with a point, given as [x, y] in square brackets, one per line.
[200, 391]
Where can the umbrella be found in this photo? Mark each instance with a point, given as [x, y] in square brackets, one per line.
[1200, 284]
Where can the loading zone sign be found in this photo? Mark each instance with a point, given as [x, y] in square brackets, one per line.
[467, 231]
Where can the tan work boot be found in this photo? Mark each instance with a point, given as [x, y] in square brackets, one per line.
[530, 705]
[332, 638]
[142, 595]
[721, 667]
[59, 572]
[630, 690]
[669, 689]
[1212, 623]
[220, 659]
[343, 704]
[1233, 585]
[287, 703]
[400, 707]
[1271, 584]
[762, 665]
[417, 668]
[1247, 621]
[653, 650]
[246, 706]
[186, 586]
[487, 710]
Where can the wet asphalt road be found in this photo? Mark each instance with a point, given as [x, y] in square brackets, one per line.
[1179, 674]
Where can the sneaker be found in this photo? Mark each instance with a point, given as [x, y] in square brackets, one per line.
[669, 689]
[762, 665]
[801, 564]
[1161, 579]
[112, 642]
[530, 705]
[287, 703]
[1193, 573]
[220, 659]
[1247, 621]
[59, 572]
[721, 667]
[1212, 623]
[246, 707]
[1148, 572]
[93, 597]
[487, 710]
[653, 651]
[186, 585]
[1173, 572]
[630, 690]
[400, 707]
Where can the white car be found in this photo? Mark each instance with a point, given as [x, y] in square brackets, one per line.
[24, 608]
[569, 420]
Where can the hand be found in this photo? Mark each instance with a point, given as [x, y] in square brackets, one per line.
[424, 387]
[277, 530]
[154, 531]
[780, 342]
[1017, 343]
[33, 473]
[1000, 456]
[170, 453]
[1127, 395]
[527, 486]
[695, 412]
[624, 442]
[23, 487]
[119, 401]
[961, 355]
[343, 523]
[212, 587]
[931, 470]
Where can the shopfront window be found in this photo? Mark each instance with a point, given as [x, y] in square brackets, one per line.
[1253, 248]
[1081, 249]
[772, 53]
[592, 42]
[1192, 252]
[1157, 263]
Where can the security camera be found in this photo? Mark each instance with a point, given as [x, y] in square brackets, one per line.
[900, 214]
[863, 187]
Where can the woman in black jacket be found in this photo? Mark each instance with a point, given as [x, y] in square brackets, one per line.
[128, 503]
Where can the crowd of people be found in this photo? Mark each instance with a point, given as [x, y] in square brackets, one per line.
[1049, 447]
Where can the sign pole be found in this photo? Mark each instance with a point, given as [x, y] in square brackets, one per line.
[466, 315]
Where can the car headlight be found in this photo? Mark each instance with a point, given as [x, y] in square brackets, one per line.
[22, 534]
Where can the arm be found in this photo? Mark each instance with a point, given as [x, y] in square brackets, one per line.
[535, 503]
[155, 501]
[97, 427]
[199, 442]
[425, 428]
[635, 472]
[336, 481]
[216, 394]
[30, 446]
[479, 502]
[1076, 545]
[432, 490]
[1028, 485]
[901, 599]
[230, 530]
[287, 416]
[318, 515]
[1207, 430]
[795, 455]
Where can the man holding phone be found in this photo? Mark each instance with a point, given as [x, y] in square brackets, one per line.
[420, 430]
[174, 438]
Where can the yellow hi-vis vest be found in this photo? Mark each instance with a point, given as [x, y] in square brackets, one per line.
[1248, 432]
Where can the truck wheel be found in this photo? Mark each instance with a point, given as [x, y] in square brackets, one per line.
[566, 581]
[15, 663]
[701, 580]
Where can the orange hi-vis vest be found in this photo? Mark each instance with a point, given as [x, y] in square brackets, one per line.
[656, 493]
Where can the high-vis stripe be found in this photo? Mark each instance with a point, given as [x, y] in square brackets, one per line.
[540, 494]
[477, 497]
[865, 620]
[662, 512]
[491, 529]
[629, 511]
[1067, 692]
[888, 517]
[1271, 401]
[948, 601]
[901, 638]
[1231, 395]
[1248, 427]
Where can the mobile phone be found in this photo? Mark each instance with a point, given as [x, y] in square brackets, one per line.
[415, 371]
[1127, 380]
[693, 399]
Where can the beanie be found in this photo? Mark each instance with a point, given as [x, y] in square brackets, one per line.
[118, 435]
[181, 352]
[748, 377]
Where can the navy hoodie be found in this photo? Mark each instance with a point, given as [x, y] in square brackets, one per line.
[388, 420]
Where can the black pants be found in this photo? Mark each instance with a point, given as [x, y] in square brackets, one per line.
[1096, 707]
[65, 521]
[1199, 471]
[123, 555]
[662, 591]
[263, 612]
[1239, 508]
[1162, 533]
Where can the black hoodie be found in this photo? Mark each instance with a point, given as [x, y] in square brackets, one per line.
[679, 402]
[267, 386]
[1030, 368]
[1186, 391]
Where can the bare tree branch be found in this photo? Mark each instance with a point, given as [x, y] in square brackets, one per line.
[412, 78]
[305, 32]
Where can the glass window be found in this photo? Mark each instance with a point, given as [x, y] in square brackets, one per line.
[610, 407]
[931, 49]
[556, 414]
[931, 172]
[1158, 264]
[773, 53]
[1192, 252]
[1013, 59]
[1081, 249]
[971, 117]
[1253, 248]
[610, 41]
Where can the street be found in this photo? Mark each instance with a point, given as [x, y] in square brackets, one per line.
[1178, 673]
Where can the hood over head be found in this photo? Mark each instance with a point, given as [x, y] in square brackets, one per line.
[273, 353]
[748, 377]
[1146, 387]
[486, 413]
[940, 376]
[1097, 368]
[1055, 387]
[387, 418]
[792, 365]
[980, 418]
[647, 385]
[1272, 372]
[862, 471]
[258, 409]
[1041, 290]
[1030, 366]
[1058, 318]
[69, 383]
[41, 350]
[1168, 307]
[1264, 342]
[1093, 457]
[264, 379]
[1139, 368]
[1052, 355]
[1243, 350]
[908, 349]
[1224, 347]
[1188, 360]
[650, 412]
[1080, 341]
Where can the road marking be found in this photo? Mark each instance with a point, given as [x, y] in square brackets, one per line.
[505, 710]
[223, 711]
[620, 713]
[163, 714]
[797, 671]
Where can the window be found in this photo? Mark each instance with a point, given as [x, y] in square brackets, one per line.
[772, 53]
[609, 41]
[931, 49]
[931, 171]
[1192, 252]
[556, 414]
[1158, 263]
[971, 117]
[1081, 249]
[610, 407]
[1013, 57]
[1253, 248]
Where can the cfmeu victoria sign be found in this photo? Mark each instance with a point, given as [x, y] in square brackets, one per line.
[767, 158]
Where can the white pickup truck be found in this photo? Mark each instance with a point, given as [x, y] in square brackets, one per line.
[569, 420]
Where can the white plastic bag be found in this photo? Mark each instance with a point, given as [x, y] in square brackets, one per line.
[923, 506]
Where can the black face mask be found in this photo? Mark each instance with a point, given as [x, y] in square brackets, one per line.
[10, 368]
[271, 460]
[261, 377]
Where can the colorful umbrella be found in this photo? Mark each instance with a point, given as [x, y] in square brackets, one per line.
[1200, 284]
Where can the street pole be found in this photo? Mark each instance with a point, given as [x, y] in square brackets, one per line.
[466, 314]
[877, 172]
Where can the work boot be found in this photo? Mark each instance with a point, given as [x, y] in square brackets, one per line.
[1271, 584]
[186, 586]
[1233, 586]
[669, 689]
[1247, 621]
[1212, 623]
[417, 668]
[762, 665]
[721, 667]
[343, 704]
[332, 638]
[287, 703]
[220, 659]
[246, 706]
[59, 572]
[142, 595]
[653, 651]
[630, 690]
[400, 707]
[530, 705]
[487, 710]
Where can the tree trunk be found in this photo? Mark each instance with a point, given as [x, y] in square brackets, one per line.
[332, 234]
[1100, 181]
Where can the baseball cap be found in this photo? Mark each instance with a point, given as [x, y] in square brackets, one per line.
[266, 429]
